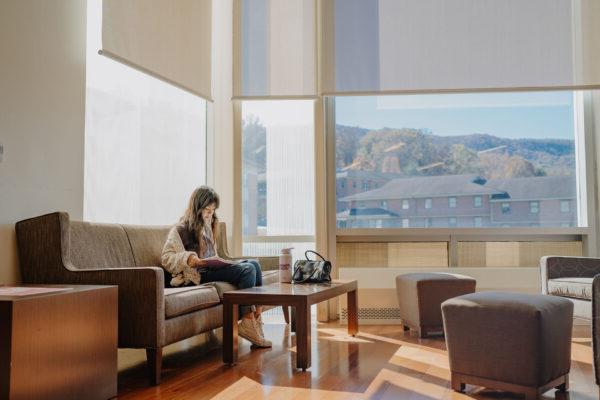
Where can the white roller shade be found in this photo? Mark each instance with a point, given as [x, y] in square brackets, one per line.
[169, 39]
[431, 45]
[275, 48]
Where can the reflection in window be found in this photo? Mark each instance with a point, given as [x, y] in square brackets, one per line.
[405, 223]
[452, 202]
[428, 203]
[565, 206]
[405, 205]
[505, 207]
[477, 222]
[477, 201]
[452, 221]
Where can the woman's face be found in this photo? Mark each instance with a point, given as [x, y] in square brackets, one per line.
[208, 212]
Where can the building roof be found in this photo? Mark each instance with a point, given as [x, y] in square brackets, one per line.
[359, 212]
[535, 188]
[357, 174]
[427, 186]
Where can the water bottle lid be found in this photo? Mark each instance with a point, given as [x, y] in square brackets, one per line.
[287, 250]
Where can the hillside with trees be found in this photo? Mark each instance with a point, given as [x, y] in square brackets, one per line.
[415, 152]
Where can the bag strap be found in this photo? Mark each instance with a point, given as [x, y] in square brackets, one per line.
[314, 252]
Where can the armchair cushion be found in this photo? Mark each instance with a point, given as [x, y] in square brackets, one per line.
[578, 288]
[183, 300]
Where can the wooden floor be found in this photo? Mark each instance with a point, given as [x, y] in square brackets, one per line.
[382, 362]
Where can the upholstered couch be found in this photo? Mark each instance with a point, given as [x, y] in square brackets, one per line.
[53, 249]
[578, 279]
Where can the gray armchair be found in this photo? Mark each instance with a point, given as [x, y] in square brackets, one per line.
[578, 279]
[53, 249]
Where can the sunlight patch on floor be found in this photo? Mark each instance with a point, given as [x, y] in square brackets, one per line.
[246, 388]
[340, 335]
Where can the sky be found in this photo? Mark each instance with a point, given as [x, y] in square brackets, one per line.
[539, 115]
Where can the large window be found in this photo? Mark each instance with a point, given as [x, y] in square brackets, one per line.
[278, 197]
[145, 141]
[464, 160]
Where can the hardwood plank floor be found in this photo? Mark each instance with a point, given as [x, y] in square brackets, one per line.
[382, 362]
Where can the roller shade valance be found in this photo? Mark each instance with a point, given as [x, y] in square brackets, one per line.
[379, 46]
[275, 48]
[169, 39]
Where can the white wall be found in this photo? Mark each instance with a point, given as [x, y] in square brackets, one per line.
[42, 107]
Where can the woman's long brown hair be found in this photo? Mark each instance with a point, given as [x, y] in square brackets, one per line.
[201, 198]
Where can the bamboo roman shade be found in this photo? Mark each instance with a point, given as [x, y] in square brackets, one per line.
[275, 48]
[379, 46]
[170, 39]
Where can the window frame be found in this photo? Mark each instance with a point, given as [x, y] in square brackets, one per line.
[585, 151]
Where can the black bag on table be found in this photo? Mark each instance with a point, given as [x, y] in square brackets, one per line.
[312, 271]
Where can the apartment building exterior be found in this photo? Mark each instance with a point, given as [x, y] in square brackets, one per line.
[462, 201]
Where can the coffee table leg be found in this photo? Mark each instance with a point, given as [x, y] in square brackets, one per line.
[230, 332]
[303, 336]
[352, 313]
[293, 319]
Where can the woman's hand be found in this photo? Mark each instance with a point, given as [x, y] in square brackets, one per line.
[194, 261]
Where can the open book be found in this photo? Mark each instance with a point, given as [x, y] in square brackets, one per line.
[216, 262]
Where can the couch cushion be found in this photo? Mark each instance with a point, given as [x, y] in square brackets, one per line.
[147, 243]
[179, 301]
[95, 245]
[270, 277]
[578, 288]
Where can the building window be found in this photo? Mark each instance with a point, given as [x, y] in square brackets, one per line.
[405, 223]
[505, 207]
[405, 204]
[428, 222]
[534, 207]
[565, 206]
[452, 221]
[478, 222]
[343, 184]
[565, 225]
[384, 204]
[366, 187]
[354, 185]
[426, 155]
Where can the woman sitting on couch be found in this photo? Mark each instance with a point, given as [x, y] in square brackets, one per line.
[192, 241]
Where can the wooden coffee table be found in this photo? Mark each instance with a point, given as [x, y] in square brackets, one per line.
[299, 296]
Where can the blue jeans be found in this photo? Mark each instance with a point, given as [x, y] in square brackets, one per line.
[243, 275]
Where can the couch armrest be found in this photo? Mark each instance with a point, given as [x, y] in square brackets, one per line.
[552, 267]
[596, 326]
[141, 301]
